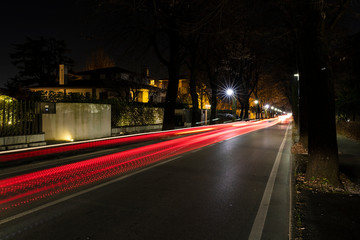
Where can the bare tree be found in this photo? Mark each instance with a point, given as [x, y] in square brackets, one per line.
[316, 73]
[164, 25]
[99, 59]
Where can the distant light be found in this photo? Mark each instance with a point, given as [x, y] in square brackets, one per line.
[267, 106]
[229, 92]
[297, 76]
[256, 101]
[272, 107]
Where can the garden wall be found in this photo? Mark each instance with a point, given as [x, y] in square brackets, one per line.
[77, 121]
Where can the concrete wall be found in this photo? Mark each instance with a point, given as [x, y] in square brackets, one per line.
[77, 121]
[24, 141]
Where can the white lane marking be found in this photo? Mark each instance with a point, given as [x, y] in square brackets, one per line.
[82, 192]
[290, 177]
[196, 150]
[258, 225]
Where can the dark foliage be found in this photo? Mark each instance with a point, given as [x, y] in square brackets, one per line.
[38, 61]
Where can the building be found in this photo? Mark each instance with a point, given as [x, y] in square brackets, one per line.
[104, 83]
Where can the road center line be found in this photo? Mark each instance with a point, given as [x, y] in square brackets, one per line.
[82, 192]
[258, 225]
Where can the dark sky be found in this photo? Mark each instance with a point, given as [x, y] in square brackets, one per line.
[66, 20]
[61, 20]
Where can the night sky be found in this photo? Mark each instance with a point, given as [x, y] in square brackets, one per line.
[60, 19]
[66, 20]
[51, 18]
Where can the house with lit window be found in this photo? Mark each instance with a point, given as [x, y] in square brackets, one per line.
[184, 92]
[104, 83]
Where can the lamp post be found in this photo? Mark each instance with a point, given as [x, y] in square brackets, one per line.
[230, 93]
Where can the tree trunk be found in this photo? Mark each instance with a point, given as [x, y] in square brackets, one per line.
[194, 96]
[294, 101]
[303, 109]
[323, 150]
[246, 110]
[171, 94]
[213, 103]
[214, 90]
[173, 69]
[242, 110]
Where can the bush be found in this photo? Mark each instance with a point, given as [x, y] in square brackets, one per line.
[133, 114]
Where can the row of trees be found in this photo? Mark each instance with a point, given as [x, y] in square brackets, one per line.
[212, 45]
[318, 50]
[212, 42]
[236, 41]
[248, 45]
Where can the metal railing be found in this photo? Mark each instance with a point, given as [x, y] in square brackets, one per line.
[19, 118]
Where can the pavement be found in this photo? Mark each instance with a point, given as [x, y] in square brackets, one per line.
[329, 216]
[216, 192]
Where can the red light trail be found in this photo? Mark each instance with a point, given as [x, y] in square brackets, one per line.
[22, 154]
[23, 189]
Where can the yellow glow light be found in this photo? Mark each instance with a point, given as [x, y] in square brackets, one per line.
[68, 138]
[195, 131]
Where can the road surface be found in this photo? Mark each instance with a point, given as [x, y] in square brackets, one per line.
[233, 189]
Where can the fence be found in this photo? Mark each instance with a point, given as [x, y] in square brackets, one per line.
[19, 117]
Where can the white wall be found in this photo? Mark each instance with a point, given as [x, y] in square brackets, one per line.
[77, 121]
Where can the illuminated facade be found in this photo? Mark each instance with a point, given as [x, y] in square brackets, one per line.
[102, 83]
[115, 82]
[183, 92]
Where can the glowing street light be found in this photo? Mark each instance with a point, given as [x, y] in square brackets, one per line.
[256, 101]
[297, 76]
[229, 92]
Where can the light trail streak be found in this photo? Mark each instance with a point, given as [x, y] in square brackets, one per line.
[195, 131]
[5, 157]
[27, 188]
[48, 150]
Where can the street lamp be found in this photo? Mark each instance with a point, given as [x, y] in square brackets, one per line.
[230, 93]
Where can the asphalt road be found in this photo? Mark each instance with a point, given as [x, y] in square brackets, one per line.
[216, 192]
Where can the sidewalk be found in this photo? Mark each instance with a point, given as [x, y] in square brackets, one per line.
[332, 215]
[349, 158]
